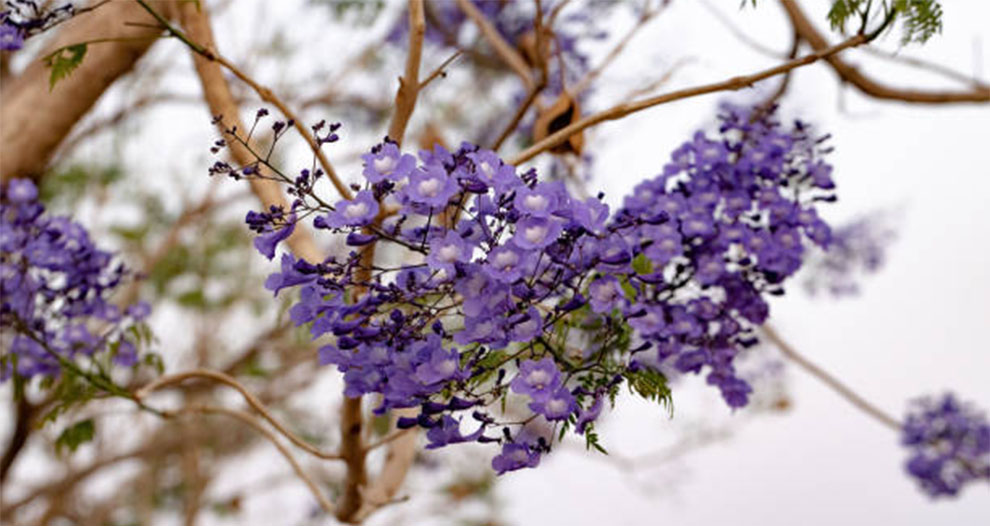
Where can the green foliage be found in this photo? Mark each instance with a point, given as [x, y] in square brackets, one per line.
[75, 435]
[920, 19]
[64, 186]
[591, 439]
[842, 11]
[69, 390]
[651, 385]
[63, 61]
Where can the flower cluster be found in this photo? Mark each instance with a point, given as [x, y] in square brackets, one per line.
[949, 443]
[502, 285]
[21, 19]
[696, 249]
[858, 248]
[55, 286]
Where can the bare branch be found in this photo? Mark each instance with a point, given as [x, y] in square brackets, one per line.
[221, 101]
[246, 418]
[621, 110]
[867, 85]
[37, 119]
[505, 51]
[251, 400]
[829, 380]
[405, 97]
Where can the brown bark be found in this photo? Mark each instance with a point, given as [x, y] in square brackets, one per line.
[196, 22]
[35, 119]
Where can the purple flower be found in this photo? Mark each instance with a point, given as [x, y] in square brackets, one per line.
[540, 201]
[605, 294]
[557, 405]
[267, 241]
[442, 366]
[430, 187]
[506, 263]
[21, 191]
[949, 443]
[11, 37]
[289, 277]
[515, 456]
[387, 163]
[360, 211]
[446, 251]
[588, 416]
[536, 233]
[537, 379]
[527, 326]
[449, 432]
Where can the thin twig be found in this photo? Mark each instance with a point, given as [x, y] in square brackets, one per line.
[246, 418]
[264, 93]
[251, 400]
[503, 49]
[621, 110]
[829, 380]
[644, 18]
[440, 70]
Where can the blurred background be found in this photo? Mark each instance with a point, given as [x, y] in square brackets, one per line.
[134, 171]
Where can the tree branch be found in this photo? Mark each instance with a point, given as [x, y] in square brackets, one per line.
[221, 101]
[848, 73]
[405, 97]
[621, 110]
[251, 400]
[37, 119]
[505, 51]
[858, 401]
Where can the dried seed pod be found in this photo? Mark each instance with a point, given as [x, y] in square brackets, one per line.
[564, 111]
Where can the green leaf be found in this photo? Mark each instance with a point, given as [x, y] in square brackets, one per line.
[922, 20]
[75, 435]
[642, 265]
[651, 385]
[64, 61]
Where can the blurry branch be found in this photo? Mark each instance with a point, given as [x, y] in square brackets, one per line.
[741, 35]
[353, 453]
[24, 414]
[409, 85]
[664, 79]
[503, 49]
[246, 418]
[37, 119]
[646, 15]
[934, 67]
[832, 382]
[221, 101]
[866, 84]
[200, 40]
[653, 459]
[542, 64]
[251, 400]
[127, 112]
[402, 449]
[735, 83]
